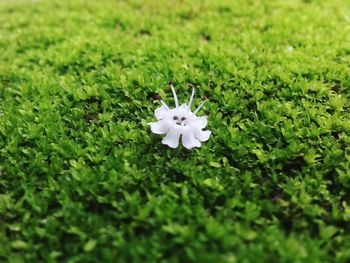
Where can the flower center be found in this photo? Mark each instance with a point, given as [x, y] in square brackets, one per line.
[180, 120]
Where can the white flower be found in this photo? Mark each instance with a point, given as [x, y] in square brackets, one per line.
[180, 121]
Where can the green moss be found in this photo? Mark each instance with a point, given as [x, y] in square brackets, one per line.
[82, 179]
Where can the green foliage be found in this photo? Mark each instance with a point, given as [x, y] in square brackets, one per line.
[82, 179]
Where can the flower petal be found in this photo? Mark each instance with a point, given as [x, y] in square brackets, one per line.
[202, 135]
[189, 141]
[184, 107]
[161, 112]
[172, 138]
[200, 122]
[158, 127]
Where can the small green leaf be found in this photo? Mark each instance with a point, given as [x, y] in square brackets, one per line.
[14, 227]
[19, 244]
[215, 164]
[90, 245]
[250, 235]
[209, 182]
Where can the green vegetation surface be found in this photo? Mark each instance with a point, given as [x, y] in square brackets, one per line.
[83, 179]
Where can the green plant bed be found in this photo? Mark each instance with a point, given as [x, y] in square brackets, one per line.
[83, 179]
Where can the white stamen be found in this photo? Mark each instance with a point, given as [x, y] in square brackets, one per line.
[175, 96]
[199, 107]
[164, 104]
[191, 99]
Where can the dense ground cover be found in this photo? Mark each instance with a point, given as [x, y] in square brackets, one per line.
[82, 179]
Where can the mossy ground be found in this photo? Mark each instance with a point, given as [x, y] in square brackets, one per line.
[82, 179]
